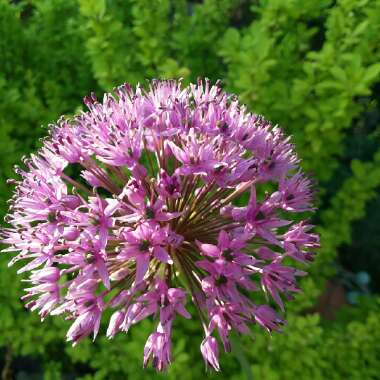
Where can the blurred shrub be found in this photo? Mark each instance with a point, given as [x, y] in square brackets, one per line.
[311, 66]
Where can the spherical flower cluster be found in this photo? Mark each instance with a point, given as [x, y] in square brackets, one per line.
[156, 197]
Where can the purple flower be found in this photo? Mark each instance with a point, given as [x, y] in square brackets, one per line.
[152, 207]
[298, 242]
[278, 278]
[116, 320]
[296, 193]
[85, 324]
[167, 301]
[210, 352]
[228, 250]
[169, 186]
[88, 319]
[142, 244]
[232, 315]
[158, 346]
[46, 286]
[261, 218]
[266, 317]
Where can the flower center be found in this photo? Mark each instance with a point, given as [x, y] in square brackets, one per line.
[227, 254]
[221, 280]
[149, 213]
[144, 245]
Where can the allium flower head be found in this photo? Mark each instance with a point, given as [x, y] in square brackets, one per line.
[156, 198]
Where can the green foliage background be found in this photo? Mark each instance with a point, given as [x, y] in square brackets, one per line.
[311, 66]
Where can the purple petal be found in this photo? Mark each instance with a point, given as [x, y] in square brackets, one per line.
[103, 273]
[142, 264]
[161, 254]
[210, 250]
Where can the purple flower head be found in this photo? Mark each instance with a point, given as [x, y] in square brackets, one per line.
[169, 204]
